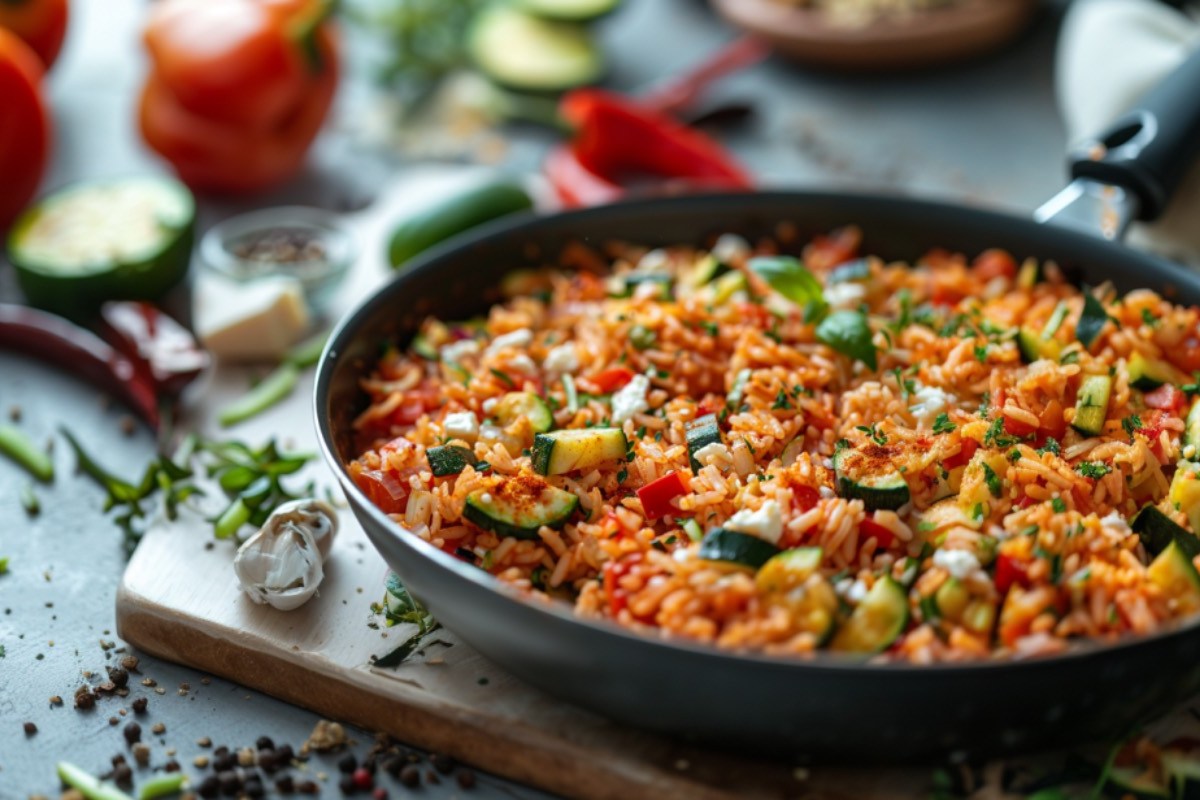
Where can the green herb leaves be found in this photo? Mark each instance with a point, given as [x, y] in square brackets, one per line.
[1091, 320]
[849, 334]
[942, 424]
[792, 280]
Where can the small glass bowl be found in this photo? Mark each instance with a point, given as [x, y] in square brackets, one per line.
[312, 246]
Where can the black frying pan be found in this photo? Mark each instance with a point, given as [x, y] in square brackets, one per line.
[829, 706]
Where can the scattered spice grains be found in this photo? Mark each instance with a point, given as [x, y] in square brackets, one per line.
[141, 754]
[84, 698]
[139, 705]
[30, 729]
[158, 728]
[326, 737]
[133, 733]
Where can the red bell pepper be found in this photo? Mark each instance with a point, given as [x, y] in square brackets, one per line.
[618, 139]
[612, 379]
[1167, 398]
[1015, 427]
[806, 497]
[1009, 571]
[869, 529]
[963, 456]
[656, 496]
[165, 350]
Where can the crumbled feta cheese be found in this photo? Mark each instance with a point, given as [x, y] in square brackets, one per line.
[563, 358]
[713, 452]
[842, 587]
[856, 591]
[518, 338]
[648, 290]
[682, 554]
[456, 350]
[654, 261]
[846, 296]
[931, 401]
[490, 404]
[462, 424]
[630, 399]
[959, 563]
[766, 523]
[522, 363]
[1115, 521]
[730, 248]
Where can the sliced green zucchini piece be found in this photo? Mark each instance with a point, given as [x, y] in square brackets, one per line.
[736, 392]
[1091, 405]
[565, 451]
[792, 580]
[1191, 431]
[876, 621]
[528, 53]
[1029, 274]
[422, 347]
[721, 544]
[879, 486]
[693, 530]
[1035, 347]
[569, 10]
[1057, 317]
[727, 286]
[515, 405]
[1185, 492]
[952, 598]
[1157, 531]
[703, 272]
[1150, 373]
[701, 432]
[122, 239]
[514, 508]
[1173, 572]
[792, 451]
[449, 459]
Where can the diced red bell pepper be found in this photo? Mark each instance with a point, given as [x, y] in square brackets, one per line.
[1008, 572]
[1014, 427]
[806, 497]
[869, 529]
[614, 571]
[656, 496]
[963, 456]
[945, 296]
[1167, 398]
[612, 379]
[994, 263]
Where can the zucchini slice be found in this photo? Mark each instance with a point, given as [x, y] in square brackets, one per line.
[861, 478]
[703, 272]
[1029, 274]
[700, 433]
[1158, 531]
[1173, 572]
[951, 599]
[792, 580]
[1191, 431]
[515, 405]
[512, 507]
[1035, 347]
[792, 451]
[876, 622]
[565, 451]
[726, 286]
[124, 239]
[721, 544]
[1185, 492]
[529, 53]
[1091, 405]
[1150, 373]
[738, 391]
[569, 10]
[449, 459]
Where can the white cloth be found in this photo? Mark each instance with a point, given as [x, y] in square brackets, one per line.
[1110, 52]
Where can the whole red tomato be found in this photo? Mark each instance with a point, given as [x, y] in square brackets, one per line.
[24, 126]
[42, 24]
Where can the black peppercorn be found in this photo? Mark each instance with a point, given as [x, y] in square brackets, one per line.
[209, 787]
[442, 763]
[410, 776]
[264, 743]
[285, 784]
[347, 763]
[133, 733]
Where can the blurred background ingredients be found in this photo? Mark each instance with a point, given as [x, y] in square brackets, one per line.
[41, 24]
[25, 128]
[237, 89]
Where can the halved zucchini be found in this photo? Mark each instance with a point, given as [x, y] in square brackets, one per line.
[565, 451]
[701, 432]
[1091, 405]
[512, 507]
[1157, 531]
[876, 622]
[792, 580]
[515, 405]
[529, 53]
[1173, 572]
[449, 459]
[722, 544]
[1150, 373]
[860, 478]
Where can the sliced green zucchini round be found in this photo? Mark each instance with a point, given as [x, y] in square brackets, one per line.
[861, 478]
[127, 239]
[700, 433]
[876, 622]
[1173, 572]
[561, 452]
[1157, 532]
[722, 544]
[511, 508]
[569, 10]
[529, 53]
[1091, 405]
[515, 405]
[791, 580]
[449, 459]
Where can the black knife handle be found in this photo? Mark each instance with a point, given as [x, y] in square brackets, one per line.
[1150, 148]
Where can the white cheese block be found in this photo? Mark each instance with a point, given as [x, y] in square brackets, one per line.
[257, 320]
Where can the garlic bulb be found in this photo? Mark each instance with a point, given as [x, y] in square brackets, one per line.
[281, 564]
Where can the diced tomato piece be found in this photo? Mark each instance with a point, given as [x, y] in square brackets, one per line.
[408, 412]
[384, 489]
[870, 529]
[945, 296]
[1025, 502]
[1053, 423]
[612, 379]
[656, 496]
[969, 446]
[1014, 427]
[614, 571]
[1186, 356]
[1008, 572]
[837, 247]
[395, 446]
[1167, 398]
[994, 264]
[806, 497]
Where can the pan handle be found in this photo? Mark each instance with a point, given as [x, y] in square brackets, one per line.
[1149, 149]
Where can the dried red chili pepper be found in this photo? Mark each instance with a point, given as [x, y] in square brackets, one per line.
[167, 352]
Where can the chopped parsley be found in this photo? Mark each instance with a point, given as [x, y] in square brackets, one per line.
[877, 436]
[992, 480]
[1059, 505]
[622, 475]
[1051, 446]
[981, 353]
[503, 378]
[781, 401]
[942, 424]
[995, 434]
[1093, 469]
[1149, 318]
[1132, 424]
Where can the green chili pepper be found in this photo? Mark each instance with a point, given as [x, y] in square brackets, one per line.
[163, 785]
[308, 352]
[91, 787]
[17, 446]
[272, 389]
[232, 519]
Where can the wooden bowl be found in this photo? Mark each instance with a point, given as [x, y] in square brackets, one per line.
[920, 39]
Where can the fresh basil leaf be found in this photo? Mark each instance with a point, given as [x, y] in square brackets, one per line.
[1091, 320]
[849, 334]
[792, 280]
